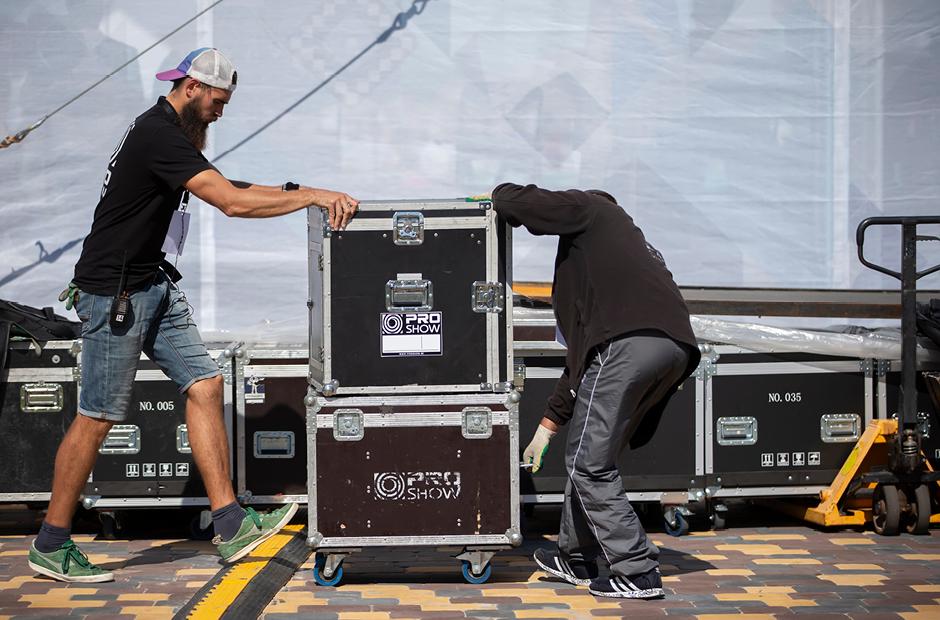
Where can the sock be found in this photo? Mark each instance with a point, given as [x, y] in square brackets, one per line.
[227, 519]
[51, 537]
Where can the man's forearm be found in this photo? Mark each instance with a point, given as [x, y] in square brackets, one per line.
[247, 185]
[255, 202]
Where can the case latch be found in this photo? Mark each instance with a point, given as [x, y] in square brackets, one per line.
[408, 228]
[41, 398]
[737, 431]
[348, 425]
[488, 297]
[477, 423]
[409, 295]
[518, 376]
[121, 439]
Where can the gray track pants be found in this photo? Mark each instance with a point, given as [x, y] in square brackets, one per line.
[624, 380]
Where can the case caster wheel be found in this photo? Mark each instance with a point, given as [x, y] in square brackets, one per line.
[466, 568]
[917, 520]
[196, 529]
[676, 525]
[717, 519]
[111, 525]
[886, 510]
[319, 570]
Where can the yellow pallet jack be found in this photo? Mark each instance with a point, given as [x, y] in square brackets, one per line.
[855, 496]
[887, 479]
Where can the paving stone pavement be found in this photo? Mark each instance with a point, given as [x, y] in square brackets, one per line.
[764, 566]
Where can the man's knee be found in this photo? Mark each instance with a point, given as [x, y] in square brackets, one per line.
[206, 390]
[96, 428]
[587, 473]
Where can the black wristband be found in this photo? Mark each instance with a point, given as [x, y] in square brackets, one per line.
[290, 186]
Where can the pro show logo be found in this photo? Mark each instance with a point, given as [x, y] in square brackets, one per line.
[416, 485]
[411, 333]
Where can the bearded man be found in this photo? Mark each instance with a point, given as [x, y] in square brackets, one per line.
[126, 296]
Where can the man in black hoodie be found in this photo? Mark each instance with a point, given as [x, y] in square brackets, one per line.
[630, 346]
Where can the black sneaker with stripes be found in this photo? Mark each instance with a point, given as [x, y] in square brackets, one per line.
[646, 585]
[572, 571]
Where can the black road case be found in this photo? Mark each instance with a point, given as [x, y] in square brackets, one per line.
[782, 423]
[415, 470]
[888, 400]
[413, 297]
[673, 460]
[271, 422]
[39, 395]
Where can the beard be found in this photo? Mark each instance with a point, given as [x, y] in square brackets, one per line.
[194, 128]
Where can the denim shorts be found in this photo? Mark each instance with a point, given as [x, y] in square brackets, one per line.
[161, 327]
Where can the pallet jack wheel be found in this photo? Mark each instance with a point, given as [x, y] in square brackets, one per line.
[918, 518]
[886, 510]
[332, 580]
[466, 568]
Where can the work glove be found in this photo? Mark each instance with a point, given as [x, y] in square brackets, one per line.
[69, 295]
[535, 451]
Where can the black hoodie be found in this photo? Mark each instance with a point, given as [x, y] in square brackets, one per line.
[608, 280]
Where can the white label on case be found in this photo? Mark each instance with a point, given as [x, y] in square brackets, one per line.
[411, 333]
[254, 390]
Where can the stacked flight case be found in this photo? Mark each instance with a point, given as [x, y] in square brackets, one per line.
[412, 420]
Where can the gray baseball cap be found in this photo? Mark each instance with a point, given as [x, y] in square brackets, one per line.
[206, 64]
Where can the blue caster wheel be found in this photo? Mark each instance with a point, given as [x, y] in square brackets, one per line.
[318, 573]
[467, 569]
[677, 526]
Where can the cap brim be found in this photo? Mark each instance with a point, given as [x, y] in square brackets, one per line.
[169, 76]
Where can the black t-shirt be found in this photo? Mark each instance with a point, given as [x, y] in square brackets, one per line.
[142, 187]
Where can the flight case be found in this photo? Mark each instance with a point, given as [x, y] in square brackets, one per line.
[888, 399]
[39, 395]
[782, 423]
[413, 297]
[147, 460]
[414, 470]
[270, 429]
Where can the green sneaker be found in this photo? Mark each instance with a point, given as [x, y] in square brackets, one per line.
[256, 528]
[67, 563]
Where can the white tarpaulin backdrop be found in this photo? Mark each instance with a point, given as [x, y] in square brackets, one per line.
[747, 138]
